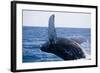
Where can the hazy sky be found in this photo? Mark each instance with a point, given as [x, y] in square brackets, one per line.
[62, 19]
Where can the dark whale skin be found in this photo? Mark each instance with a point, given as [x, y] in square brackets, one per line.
[66, 49]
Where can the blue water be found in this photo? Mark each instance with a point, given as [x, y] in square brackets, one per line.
[34, 37]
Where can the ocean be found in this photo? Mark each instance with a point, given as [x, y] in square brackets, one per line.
[34, 37]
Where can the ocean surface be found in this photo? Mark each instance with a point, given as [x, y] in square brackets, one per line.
[34, 37]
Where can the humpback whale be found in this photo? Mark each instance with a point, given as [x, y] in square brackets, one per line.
[65, 48]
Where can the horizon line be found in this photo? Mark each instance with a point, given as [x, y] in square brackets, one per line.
[56, 27]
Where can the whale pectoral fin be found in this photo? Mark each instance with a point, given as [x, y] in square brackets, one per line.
[51, 29]
[79, 40]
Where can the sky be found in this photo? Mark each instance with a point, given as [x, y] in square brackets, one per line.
[62, 19]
